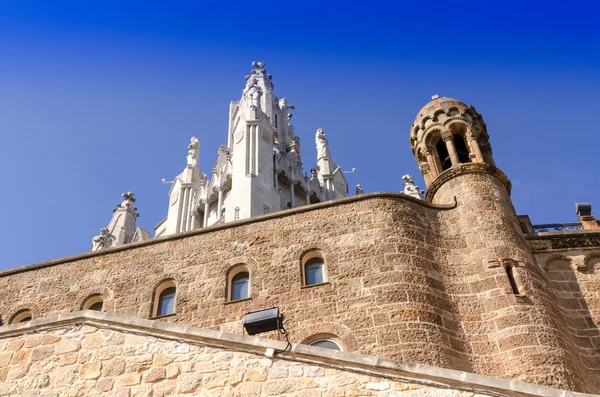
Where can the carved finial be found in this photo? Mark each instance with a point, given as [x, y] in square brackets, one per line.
[434, 97]
[128, 196]
[410, 188]
[359, 189]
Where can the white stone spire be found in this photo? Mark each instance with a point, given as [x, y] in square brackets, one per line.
[121, 228]
[258, 171]
[331, 177]
[184, 194]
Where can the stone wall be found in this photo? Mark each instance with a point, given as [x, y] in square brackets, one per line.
[406, 281]
[83, 357]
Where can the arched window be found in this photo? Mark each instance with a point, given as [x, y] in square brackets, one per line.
[164, 299]
[326, 344]
[313, 268]
[94, 302]
[239, 286]
[238, 283]
[314, 271]
[442, 152]
[21, 317]
[166, 302]
[461, 149]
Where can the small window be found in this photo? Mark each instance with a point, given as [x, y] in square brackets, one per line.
[166, 302]
[164, 299]
[21, 317]
[313, 268]
[94, 302]
[239, 286]
[326, 344]
[314, 271]
[238, 283]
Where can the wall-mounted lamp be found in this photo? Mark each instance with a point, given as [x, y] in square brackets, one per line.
[263, 321]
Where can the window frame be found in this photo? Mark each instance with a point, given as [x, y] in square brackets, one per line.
[232, 273]
[22, 316]
[156, 300]
[91, 301]
[307, 257]
[314, 343]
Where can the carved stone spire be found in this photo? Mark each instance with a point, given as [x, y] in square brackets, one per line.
[121, 228]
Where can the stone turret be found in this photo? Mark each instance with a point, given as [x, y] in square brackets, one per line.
[485, 249]
[447, 133]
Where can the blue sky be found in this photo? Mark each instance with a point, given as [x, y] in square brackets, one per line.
[99, 99]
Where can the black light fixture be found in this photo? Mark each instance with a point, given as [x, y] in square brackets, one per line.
[263, 321]
[583, 209]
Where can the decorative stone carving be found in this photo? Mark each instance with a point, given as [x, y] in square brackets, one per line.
[359, 189]
[410, 188]
[322, 144]
[252, 93]
[103, 240]
[193, 148]
[447, 136]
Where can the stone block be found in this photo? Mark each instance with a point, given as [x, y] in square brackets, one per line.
[90, 370]
[129, 379]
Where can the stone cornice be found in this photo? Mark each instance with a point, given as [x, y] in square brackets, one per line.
[564, 240]
[255, 219]
[466, 168]
[405, 372]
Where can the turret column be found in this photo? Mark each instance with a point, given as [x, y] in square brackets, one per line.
[449, 141]
[474, 146]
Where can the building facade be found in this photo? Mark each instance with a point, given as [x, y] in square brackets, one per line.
[452, 293]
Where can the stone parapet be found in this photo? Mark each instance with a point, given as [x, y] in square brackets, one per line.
[106, 354]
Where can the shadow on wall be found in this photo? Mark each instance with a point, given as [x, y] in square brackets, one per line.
[575, 281]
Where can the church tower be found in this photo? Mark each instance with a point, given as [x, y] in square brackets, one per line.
[253, 123]
[488, 263]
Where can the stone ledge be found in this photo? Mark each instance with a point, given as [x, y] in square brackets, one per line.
[564, 240]
[254, 219]
[408, 372]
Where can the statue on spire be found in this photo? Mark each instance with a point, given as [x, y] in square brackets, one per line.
[322, 144]
[193, 149]
[252, 93]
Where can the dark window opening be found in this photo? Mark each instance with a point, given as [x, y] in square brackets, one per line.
[461, 149]
[442, 152]
[96, 306]
[25, 319]
[511, 280]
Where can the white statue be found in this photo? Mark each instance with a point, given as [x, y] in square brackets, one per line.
[252, 93]
[359, 189]
[104, 240]
[193, 148]
[322, 144]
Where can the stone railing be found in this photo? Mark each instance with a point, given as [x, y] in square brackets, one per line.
[557, 227]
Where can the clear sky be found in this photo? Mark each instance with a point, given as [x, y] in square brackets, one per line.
[100, 98]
